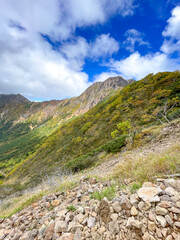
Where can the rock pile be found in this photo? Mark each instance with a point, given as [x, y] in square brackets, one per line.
[151, 213]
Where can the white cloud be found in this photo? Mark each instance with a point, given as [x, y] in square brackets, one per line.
[28, 63]
[172, 29]
[172, 32]
[104, 45]
[78, 49]
[136, 66]
[40, 72]
[170, 46]
[104, 75]
[134, 37]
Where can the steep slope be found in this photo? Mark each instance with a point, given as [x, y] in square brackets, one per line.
[76, 144]
[24, 124]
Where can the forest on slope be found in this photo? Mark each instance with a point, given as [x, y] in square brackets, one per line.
[24, 125]
[107, 127]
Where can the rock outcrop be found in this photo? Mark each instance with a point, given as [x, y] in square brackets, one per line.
[147, 215]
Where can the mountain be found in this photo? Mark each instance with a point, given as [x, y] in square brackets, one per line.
[25, 124]
[106, 127]
[41, 111]
[12, 98]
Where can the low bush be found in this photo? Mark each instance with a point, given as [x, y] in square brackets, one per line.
[115, 145]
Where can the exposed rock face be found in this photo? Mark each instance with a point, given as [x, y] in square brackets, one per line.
[90, 97]
[126, 217]
[96, 92]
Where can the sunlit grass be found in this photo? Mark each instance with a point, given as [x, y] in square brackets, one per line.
[146, 168]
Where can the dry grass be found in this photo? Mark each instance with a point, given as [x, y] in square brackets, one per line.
[16, 204]
[145, 168]
[11, 206]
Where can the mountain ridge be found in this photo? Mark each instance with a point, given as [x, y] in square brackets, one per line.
[23, 124]
[12, 98]
[77, 144]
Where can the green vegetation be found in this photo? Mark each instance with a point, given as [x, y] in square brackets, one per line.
[115, 145]
[146, 168]
[71, 208]
[134, 187]
[76, 144]
[109, 193]
[9, 208]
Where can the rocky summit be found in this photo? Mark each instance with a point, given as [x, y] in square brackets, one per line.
[153, 212]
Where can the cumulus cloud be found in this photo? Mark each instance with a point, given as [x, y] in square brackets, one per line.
[78, 49]
[104, 45]
[134, 37]
[136, 66]
[104, 75]
[29, 64]
[172, 33]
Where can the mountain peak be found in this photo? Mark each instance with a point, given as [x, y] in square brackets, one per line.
[12, 98]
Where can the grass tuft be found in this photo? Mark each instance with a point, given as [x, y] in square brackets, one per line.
[109, 193]
[146, 168]
[71, 208]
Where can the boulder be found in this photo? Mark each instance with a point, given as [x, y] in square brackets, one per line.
[148, 193]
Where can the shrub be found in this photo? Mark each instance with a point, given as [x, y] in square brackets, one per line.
[115, 145]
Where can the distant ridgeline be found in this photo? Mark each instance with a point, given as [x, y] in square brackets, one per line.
[25, 124]
[39, 138]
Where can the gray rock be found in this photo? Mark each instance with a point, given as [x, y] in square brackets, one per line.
[132, 222]
[125, 203]
[177, 224]
[26, 236]
[116, 207]
[161, 211]
[60, 226]
[49, 230]
[165, 198]
[161, 220]
[154, 199]
[170, 191]
[78, 234]
[113, 228]
[134, 211]
[147, 193]
[91, 222]
[169, 220]
[73, 226]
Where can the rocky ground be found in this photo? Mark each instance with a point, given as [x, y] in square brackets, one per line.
[153, 212]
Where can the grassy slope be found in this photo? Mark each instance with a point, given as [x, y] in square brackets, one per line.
[78, 142]
[24, 126]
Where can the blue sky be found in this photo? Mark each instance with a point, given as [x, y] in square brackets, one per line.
[54, 49]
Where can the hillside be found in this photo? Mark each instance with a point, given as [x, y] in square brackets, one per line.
[77, 144]
[25, 124]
